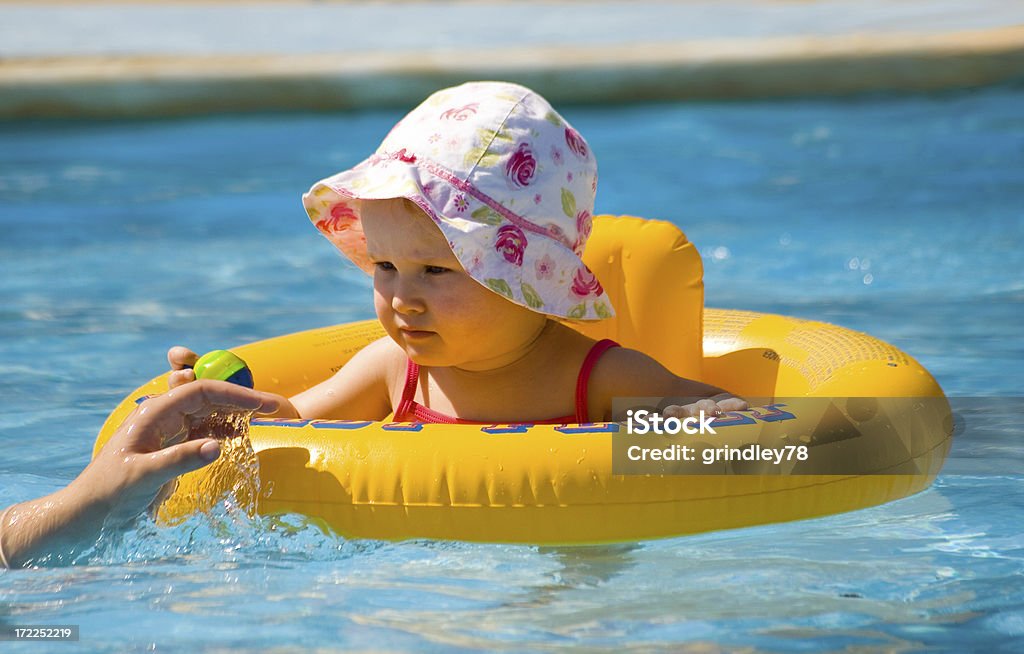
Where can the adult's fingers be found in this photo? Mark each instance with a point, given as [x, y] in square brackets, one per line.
[148, 476]
[166, 415]
[181, 357]
[216, 395]
[164, 465]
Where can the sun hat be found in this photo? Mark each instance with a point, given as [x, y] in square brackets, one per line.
[507, 180]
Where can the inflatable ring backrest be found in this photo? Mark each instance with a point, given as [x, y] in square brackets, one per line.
[655, 280]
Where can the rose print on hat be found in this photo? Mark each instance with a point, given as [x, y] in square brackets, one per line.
[584, 223]
[511, 243]
[521, 166]
[575, 142]
[341, 217]
[461, 113]
[585, 284]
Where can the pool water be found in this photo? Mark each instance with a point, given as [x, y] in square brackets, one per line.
[899, 216]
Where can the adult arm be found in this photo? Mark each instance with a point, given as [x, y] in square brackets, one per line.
[145, 453]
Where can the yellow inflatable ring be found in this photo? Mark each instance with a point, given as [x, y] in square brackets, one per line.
[876, 425]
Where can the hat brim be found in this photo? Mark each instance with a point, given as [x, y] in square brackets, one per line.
[528, 268]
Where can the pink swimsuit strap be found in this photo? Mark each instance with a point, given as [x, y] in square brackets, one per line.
[411, 411]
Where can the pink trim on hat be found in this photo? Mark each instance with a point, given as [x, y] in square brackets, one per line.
[439, 171]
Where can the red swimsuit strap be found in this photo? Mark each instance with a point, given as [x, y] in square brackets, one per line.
[599, 348]
[409, 410]
[405, 408]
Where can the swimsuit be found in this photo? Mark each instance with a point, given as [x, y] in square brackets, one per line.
[411, 411]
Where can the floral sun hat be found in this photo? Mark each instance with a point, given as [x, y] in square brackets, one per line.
[510, 184]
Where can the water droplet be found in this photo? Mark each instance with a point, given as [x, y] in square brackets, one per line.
[853, 264]
[868, 278]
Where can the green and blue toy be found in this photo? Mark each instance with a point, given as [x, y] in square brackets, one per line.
[225, 366]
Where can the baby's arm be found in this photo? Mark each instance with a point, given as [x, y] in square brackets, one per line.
[358, 391]
[623, 372]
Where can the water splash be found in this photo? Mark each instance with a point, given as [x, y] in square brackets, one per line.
[215, 506]
[217, 519]
[233, 480]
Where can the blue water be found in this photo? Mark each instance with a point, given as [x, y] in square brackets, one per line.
[900, 216]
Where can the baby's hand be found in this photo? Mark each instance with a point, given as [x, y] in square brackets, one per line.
[712, 406]
[181, 359]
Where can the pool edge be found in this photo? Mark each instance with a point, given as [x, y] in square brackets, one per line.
[709, 69]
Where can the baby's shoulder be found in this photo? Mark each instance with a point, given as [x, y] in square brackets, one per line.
[624, 364]
[616, 363]
[385, 356]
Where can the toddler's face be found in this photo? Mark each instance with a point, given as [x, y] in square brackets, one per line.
[427, 302]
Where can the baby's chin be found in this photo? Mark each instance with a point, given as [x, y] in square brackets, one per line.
[424, 350]
[439, 356]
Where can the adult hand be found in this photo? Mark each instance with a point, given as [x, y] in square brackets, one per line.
[149, 449]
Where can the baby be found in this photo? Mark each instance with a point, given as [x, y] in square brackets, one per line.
[472, 216]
